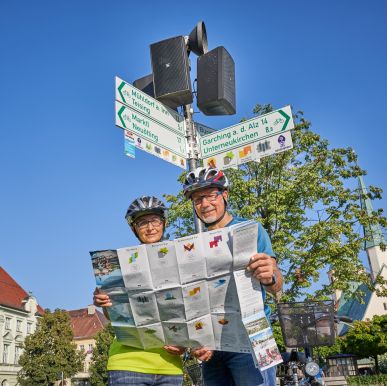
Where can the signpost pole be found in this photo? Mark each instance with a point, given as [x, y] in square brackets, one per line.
[192, 155]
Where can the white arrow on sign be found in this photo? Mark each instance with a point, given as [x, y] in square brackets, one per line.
[246, 132]
[148, 106]
[141, 125]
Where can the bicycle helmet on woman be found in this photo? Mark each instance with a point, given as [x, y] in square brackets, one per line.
[204, 178]
[142, 206]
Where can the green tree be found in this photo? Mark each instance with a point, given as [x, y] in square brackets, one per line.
[367, 338]
[322, 352]
[277, 332]
[49, 351]
[308, 201]
[98, 371]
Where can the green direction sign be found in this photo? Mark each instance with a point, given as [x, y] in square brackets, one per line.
[148, 106]
[246, 132]
[141, 125]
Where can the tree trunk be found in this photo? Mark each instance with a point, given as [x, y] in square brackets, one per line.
[376, 364]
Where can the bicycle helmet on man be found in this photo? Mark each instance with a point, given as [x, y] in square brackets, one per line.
[201, 178]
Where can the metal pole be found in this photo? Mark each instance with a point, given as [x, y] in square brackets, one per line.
[192, 155]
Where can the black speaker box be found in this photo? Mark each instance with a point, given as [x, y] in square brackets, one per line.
[145, 84]
[216, 83]
[171, 78]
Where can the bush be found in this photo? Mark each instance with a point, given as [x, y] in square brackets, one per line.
[367, 380]
[383, 363]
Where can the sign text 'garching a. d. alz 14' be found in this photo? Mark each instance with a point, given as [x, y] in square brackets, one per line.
[246, 132]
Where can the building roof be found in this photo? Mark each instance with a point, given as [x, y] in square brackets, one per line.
[12, 294]
[352, 307]
[87, 322]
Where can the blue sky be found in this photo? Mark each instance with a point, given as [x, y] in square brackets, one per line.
[65, 183]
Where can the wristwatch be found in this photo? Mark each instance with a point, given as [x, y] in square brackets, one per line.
[273, 281]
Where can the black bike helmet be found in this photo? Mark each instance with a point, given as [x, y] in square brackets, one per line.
[145, 205]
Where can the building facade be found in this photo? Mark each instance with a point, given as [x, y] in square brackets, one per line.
[19, 314]
[86, 323]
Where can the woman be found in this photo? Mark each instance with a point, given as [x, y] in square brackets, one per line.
[129, 365]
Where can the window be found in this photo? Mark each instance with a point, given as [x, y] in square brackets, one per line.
[5, 353]
[90, 349]
[385, 306]
[17, 354]
[19, 326]
[7, 323]
[82, 347]
[29, 328]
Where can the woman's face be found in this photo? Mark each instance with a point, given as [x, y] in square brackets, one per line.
[150, 228]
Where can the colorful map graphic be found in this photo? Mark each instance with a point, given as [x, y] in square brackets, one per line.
[169, 296]
[214, 243]
[219, 283]
[189, 247]
[133, 257]
[143, 299]
[194, 291]
[174, 328]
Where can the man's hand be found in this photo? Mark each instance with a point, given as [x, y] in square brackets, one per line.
[202, 354]
[174, 350]
[100, 299]
[262, 267]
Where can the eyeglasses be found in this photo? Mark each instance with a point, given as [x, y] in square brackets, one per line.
[155, 222]
[209, 197]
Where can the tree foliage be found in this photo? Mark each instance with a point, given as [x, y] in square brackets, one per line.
[98, 371]
[49, 351]
[307, 199]
[367, 338]
[322, 352]
[277, 333]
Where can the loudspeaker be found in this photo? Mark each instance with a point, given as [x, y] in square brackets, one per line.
[216, 83]
[171, 78]
[197, 39]
[145, 84]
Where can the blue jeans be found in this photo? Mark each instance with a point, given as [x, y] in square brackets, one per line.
[235, 369]
[131, 378]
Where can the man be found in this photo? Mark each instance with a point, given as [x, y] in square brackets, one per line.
[208, 190]
[129, 365]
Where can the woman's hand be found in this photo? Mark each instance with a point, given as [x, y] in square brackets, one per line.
[174, 350]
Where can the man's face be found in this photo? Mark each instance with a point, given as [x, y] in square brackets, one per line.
[149, 228]
[209, 204]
